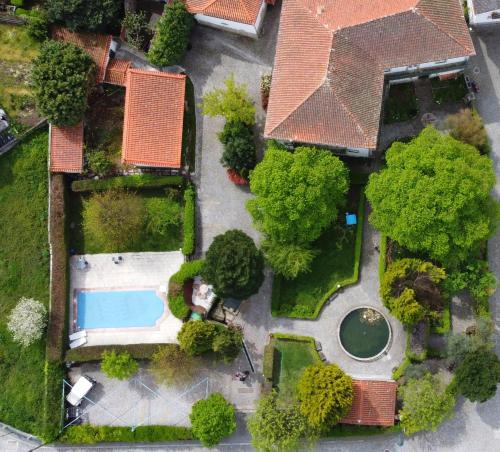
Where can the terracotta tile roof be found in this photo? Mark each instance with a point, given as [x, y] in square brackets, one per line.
[154, 116]
[243, 11]
[96, 45]
[66, 149]
[485, 6]
[116, 72]
[328, 73]
[374, 403]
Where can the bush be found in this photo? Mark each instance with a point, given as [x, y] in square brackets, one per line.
[410, 290]
[478, 374]
[239, 147]
[176, 283]
[288, 260]
[326, 394]
[136, 29]
[467, 127]
[61, 76]
[233, 103]
[118, 365]
[170, 365]
[268, 361]
[38, 27]
[228, 342]
[172, 35]
[189, 225]
[234, 265]
[213, 419]
[94, 353]
[162, 214]
[141, 181]
[98, 162]
[27, 321]
[17, 3]
[93, 434]
[196, 337]
[113, 220]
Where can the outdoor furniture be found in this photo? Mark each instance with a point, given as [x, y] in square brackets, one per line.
[203, 295]
[351, 219]
[318, 346]
[322, 356]
[163, 288]
[78, 335]
[81, 263]
[78, 342]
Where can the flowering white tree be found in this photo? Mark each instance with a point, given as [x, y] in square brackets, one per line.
[27, 321]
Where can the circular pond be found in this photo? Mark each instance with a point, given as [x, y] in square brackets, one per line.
[364, 334]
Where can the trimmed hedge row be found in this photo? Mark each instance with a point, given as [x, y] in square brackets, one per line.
[382, 260]
[134, 181]
[176, 302]
[268, 360]
[189, 221]
[92, 434]
[52, 410]
[85, 354]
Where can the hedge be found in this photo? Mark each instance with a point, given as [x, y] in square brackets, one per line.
[268, 360]
[382, 260]
[176, 302]
[92, 434]
[94, 353]
[52, 408]
[134, 181]
[189, 221]
[400, 371]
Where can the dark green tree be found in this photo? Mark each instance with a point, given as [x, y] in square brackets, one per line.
[234, 265]
[172, 35]
[239, 147]
[196, 337]
[62, 77]
[228, 342]
[434, 197]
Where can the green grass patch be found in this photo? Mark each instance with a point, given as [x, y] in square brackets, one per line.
[189, 130]
[24, 271]
[292, 355]
[133, 181]
[444, 91]
[336, 266]
[401, 105]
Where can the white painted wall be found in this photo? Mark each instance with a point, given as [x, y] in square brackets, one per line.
[428, 65]
[481, 19]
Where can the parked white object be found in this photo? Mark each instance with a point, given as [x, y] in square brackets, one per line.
[78, 342]
[80, 389]
[78, 335]
[163, 288]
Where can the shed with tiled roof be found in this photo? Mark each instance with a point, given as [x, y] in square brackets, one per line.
[154, 118]
[66, 149]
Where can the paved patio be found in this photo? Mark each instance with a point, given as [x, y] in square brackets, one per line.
[136, 271]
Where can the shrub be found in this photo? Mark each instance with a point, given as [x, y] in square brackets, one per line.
[410, 289]
[162, 213]
[27, 321]
[17, 3]
[134, 181]
[213, 419]
[196, 337]
[467, 127]
[239, 147]
[326, 394]
[234, 265]
[118, 365]
[426, 404]
[98, 162]
[172, 35]
[170, 365]
[136, 29]
[38, 27]
[288, 260]
[188, 245]
[176, 302]
[268, 361]
[61, 76]
[228, 342]
[94, 353]
[233, 103]
[113, 220]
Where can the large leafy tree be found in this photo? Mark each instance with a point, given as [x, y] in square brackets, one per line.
[172, 35]
[326, 394]
[118, 365]
[239, 147]
[426, 404]
[27, 321]
[234, 265]
[434, 197]
[297, 194]
[85, 15]
[213, 419]
[196, 337]
[62, 77]
[478, 374]
[276, 428]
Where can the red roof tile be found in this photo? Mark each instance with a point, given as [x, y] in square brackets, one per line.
[66, 149]
[328, 73]
[116, 72]
[243, 11]
[96, 45]
[154, 117]
[374, 403]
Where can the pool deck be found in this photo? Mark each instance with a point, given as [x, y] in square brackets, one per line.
[136, 271]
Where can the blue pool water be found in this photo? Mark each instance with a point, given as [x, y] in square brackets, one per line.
[118, 309]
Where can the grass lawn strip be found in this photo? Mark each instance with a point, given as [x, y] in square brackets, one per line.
[401, 105]
[24, 271]
[444, 91]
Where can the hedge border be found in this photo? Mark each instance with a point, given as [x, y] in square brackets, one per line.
[382, 260]
[189, 224]
[94, 353]
[141, 181]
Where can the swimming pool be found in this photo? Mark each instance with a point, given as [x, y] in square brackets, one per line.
[118, 309]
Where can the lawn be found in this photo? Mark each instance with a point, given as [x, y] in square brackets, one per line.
[292, 357]
[444, 91]
[80, 242]
[17, 50]
[336, 264]
[401, 105]
[24, 271]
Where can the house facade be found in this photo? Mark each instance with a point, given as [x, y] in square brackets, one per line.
[483, 12]
[334, 60]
